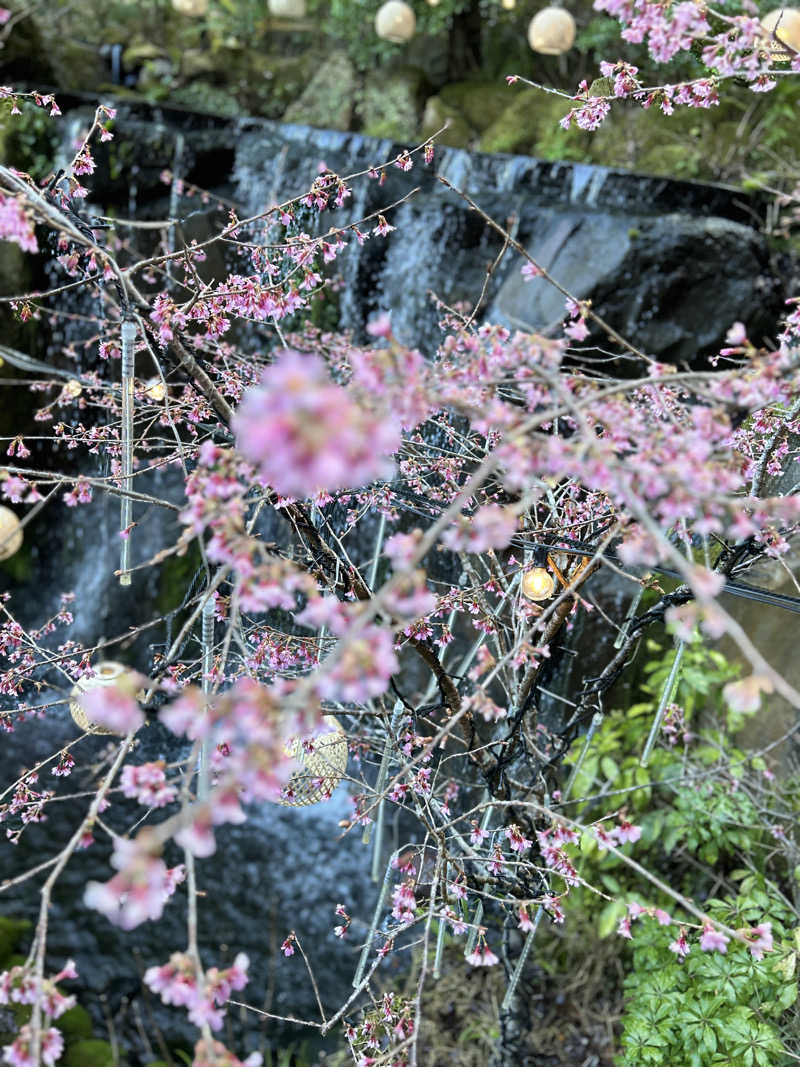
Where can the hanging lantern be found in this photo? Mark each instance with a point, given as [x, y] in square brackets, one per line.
[191, 7]
[288, 9]
[155, 389]
[538, 584]
[10, 533]
[105, 674]
[784, 24]
[73, 388]
[395, 22]
[551, 31]
[322, 769]
[509, 5]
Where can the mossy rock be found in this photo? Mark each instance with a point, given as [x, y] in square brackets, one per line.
[200, 96]
[12, 931]
[480, 103]
[459, 134]
[329, 98]
[530, 125]
[89, 1053]
[75, 1024]
[389, 105]
[275, 82]
[515, 129]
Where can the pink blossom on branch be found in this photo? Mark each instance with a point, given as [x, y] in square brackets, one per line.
[113, 707]
[305, 433]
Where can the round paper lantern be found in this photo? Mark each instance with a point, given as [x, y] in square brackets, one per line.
[783, 23]
[10, 533]
[321, 770]
[191, 7]
[395, 22]
[288, 9]
[73, 388]
[551, 31]
[538, 584]
[105, 674]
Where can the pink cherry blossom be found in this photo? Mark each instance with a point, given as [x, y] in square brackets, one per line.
[304, 433]
[713, 940]
[482, 957]
[112, 707]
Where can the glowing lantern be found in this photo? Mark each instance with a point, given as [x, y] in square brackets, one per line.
[191, 7]
[551, 31]
[155, 389]
[509, 5]
[288, 9]
[395, 22]
[10, 533]
[784, 24]
[106, 674]
[538, 584]
[73, 388]
[321, 769]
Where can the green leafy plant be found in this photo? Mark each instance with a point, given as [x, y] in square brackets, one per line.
[707, 816]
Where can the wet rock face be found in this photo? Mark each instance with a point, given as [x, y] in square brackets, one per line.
[668, 284]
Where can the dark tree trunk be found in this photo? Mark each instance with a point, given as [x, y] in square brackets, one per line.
[464, 50]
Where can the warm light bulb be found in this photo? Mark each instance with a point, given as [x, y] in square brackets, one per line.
[395, 22]
[191, 7]
[10, 533]
[784, 24]
[538, 584]
[288, 9]
[155, 389]
[552, 31]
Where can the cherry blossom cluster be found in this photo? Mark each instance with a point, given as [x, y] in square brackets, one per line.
[21, 986]
[181, 982]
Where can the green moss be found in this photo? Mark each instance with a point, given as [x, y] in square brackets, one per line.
[328, 99]
[480, 103]
[12, 932]
[389, 105]
[89, 1053]
[458, 133]
[176, 576]
[75, 1024]
[200, 96]
[530, 124]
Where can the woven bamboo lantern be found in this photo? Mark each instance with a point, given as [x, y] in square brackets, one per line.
[538, 584]
[321, 770]
[784, 24]
[287, 9]
[395, 22]
[106, 674]
[551, 31]
[10, 533]
[191, 7]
